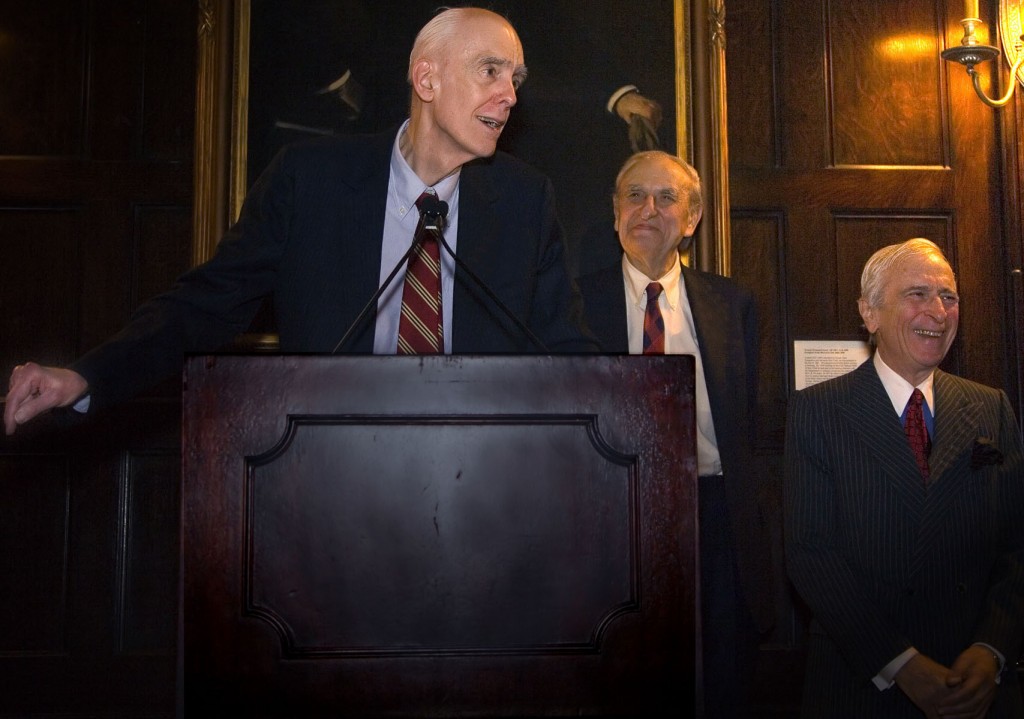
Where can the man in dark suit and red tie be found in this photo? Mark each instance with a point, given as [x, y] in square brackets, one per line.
[648, 302]
[325, 224]
[905, 515]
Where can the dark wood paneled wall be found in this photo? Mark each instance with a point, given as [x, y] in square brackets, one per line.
[96, 127]
[847, 132]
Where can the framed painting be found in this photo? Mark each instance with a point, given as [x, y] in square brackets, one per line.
[272, 72]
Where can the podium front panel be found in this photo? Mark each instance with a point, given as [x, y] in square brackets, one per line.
[439, 536]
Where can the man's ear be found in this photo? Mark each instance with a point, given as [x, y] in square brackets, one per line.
[422, 77]
[691, 224]
[868, 314]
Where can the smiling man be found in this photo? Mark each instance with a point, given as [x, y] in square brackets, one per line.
[649, 303]
[904, 493]
[327, 222]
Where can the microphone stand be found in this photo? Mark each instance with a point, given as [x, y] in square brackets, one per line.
[494, 298]
[433, 218]
[376, 295]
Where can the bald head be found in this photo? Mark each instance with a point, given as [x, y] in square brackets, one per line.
[465, 69]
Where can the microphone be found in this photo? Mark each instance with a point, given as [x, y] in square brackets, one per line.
[434, 213]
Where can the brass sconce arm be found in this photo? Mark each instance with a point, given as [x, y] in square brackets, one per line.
[976, 80]
[970, 52]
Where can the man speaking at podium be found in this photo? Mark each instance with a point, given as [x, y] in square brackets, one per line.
[326, 229]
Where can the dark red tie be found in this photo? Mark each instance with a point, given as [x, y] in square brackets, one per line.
[654, 323]
[917, 433]
[420, 326]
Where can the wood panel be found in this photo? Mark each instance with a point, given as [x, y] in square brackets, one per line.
[34, 495]
[147, 562]
[884, 85]
[43, 88]
[759, 264]
[37, 240]
[432, 536]
[95, 207]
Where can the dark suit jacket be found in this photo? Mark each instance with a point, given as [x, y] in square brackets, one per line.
[310, 235]
[726, 322]
[885, 563]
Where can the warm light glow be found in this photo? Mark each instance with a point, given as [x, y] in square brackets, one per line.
[908, 46]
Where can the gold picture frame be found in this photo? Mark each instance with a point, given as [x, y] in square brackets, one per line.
[1011, 29]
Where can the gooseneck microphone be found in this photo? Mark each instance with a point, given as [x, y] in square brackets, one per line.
[434, 213]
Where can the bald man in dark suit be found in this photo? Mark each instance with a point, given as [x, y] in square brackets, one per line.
[657, 206]
[912, 560]
[324, 225]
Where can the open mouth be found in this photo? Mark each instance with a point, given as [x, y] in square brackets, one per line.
[936, 334]
[491, 122]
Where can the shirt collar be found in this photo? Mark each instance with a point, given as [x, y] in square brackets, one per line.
[637, 281]
[406, 186]
[899, 390]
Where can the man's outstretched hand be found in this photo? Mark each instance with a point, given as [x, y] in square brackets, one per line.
[34, 389]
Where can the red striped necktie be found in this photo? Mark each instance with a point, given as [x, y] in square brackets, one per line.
[654, 323]
[917, 433]
[420, 327]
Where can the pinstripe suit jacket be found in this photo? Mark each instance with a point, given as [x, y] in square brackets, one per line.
[885, 563]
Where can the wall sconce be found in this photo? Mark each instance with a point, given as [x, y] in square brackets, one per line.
[970, 51]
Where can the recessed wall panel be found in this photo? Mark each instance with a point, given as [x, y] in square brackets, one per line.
[884, 73]
[42, 71]
[40, 280]
[159, 254]
[758, 264]
[750, 78]
[858, 236]
[149, 561]
[33, 554]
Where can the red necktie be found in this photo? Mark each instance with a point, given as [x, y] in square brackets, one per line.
[420, 326]
[917, 433]
[654, 323]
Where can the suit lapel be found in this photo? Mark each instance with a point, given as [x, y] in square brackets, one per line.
[368, 190]
[478, 224]
[358, 208]
[869, 414]
[710, 319]
[956, 423]
[479, 230]
[604, 298]
[719, 341]
[956, 428]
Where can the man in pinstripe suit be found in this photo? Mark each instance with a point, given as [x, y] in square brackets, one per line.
[914, 572]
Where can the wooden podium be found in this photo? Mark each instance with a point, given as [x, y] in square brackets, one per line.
[439, 536]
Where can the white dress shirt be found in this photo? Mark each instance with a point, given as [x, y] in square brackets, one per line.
[400, 220]
[680, 338]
